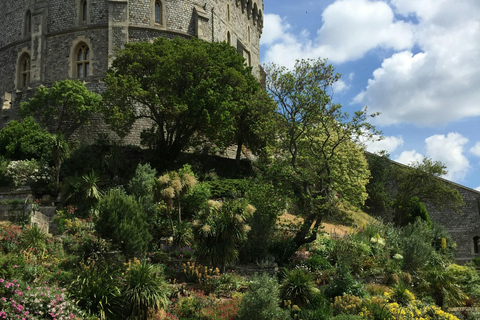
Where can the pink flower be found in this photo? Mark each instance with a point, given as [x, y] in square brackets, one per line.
[15, 266]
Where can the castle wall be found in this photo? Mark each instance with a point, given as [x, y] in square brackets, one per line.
[463, 225]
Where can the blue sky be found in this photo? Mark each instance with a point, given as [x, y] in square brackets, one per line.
[415, 61]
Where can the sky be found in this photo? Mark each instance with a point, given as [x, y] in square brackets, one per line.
[417, 62]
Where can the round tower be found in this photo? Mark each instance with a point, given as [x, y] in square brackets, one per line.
[43, 41]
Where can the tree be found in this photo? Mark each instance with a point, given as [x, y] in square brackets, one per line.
[188, 89]
[121, 219]
[316, 155]
[422, 180]
[21, 140]
[62, 108]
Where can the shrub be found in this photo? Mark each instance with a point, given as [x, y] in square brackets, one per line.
[143, 183]
[344, 283]
[144, 290]
[297, 286]
[262, 302]
[121, 219]
[96, 292]
[220, 229]
[20, 300]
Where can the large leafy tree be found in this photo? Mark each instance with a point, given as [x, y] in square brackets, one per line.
[25, 139]
[188, 89]
[316, 156]
[62, 108]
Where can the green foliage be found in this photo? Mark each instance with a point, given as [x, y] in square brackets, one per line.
[144, 290]
[416, 210]
[21, 140]
[316, 157]
[344, 283]
[63, 107]
[262, 300]
[142, 183]
[318, 309]
[33, 238]
[421, 180]
[297, 286]
[228, 188]
[220, 229]
[188, 88]
[379, 199]
[416, 244]
[97, 292]
[270, 205]
[121, 219]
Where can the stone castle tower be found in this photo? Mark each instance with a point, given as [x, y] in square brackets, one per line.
[43, 41]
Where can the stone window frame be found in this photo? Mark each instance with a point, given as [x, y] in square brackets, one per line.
[27, 23]
[83, 12]
[153, 14]
[77, 44]
[228, 12]
[228, 38]
[23, 78]
[476, 244]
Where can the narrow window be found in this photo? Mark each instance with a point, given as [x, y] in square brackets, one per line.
[24, 67]
[83, 61]
[228, 12]
[229, 38]
[475, 244]
[28, 23]
[248, 34]
[158, 12]
[84, 11]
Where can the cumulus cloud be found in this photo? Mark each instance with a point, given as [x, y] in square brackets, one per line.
[409, 157]
[449, 150]
[440, 83]
[476, 149]
[389, 144]
[350, 29]
[477, 188]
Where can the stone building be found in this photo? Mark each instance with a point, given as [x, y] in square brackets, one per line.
[43, 41]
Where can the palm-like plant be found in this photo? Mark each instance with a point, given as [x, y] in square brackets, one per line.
[60, 150]
[145, 290]
[219, 229]
[297, 286]
[96, 291]
[33, 238]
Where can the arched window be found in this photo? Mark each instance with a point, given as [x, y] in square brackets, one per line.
[229, 38]
[24, 71]
[28, 23]
[228, 12]
[476, 243]
[158, 12]
[82, 61]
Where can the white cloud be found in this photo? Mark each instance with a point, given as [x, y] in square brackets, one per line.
[476, 149]
[389, 144]
[409, 157]
[350, 29]
[449, 150]
[340, 86]
[439, 84]
[477, 188]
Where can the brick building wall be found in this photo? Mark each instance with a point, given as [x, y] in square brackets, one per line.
[58, 27]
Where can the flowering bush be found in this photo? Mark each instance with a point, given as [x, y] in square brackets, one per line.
[9, 237]
[25, 172]
[22, 301]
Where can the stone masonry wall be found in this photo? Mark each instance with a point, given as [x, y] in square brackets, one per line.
[463, 225]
